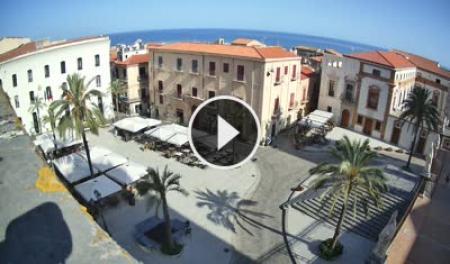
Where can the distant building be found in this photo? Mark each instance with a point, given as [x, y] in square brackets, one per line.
[310, 81]
[130, 66]
[307, 53]
[9, 43]
[365, 92]
[186, 74]
[40, 68]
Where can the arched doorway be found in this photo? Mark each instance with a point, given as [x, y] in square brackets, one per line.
[345, 119]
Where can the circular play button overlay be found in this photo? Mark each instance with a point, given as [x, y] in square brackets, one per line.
[224, 132]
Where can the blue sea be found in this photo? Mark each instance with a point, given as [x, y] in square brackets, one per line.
[287, 40]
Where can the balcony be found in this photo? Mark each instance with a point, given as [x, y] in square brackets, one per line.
[142, 78]
[348, 98]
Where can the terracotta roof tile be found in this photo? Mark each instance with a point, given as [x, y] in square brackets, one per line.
[35, 46]
[425, 64]
[260, 53]
[385, 58]
[135, 59]
[306, 72]
[241, 41]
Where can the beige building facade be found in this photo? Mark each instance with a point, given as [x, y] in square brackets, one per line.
[365, 92]
[183, 75]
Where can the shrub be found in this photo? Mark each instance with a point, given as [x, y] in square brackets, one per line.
[165, 249]
[388, 149]
[378, 148]
[327, 253]
[399, 151]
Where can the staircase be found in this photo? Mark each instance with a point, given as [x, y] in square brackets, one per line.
[367, 225]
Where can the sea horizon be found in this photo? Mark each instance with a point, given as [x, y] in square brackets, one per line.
[287, 40]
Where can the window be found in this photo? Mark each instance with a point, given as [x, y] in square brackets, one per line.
[240, 72]
[160, 86]
[14, 80]
[194, 66]
[160, 62]
[226, 67]
[294, 71]
[142, 72]
[331, 86]
[64, 85]
[286, 70]
[80, 63]
[63, 67]
[212, 68]
[179, 90]
[377, 125]
[438, 80]
[277, 76]
[211, 94]
[292, 100]
[276, 105]
[97, 60]
[47, 71]
[30, 75]
[329, 109]
[359, 120]
[194, 91]
[376, 72]
[16, 101]
[161, 99]
[372, 98]
[32, 97]
[98, 81]
[48, 93]
[349, 92]
[179, 64]
[124, 72]
[435, 98]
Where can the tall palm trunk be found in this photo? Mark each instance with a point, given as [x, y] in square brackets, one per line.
[88, 153]
[337, 231]
[168, 224]
[413, 145]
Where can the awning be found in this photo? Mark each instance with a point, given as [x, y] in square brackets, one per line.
[136, 124]
[104, 159]
[101, 185]
[73, 167]
[179, 139]
[316, 119]
[127, 173]
[47, 143]
[165, 132]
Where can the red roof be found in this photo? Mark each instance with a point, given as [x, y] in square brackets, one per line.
[425, 64]
[34, 46]
[385, 58]
[260, 53]
[306, 72]
[135, 59]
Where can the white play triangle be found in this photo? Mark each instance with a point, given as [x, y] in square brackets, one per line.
[225, 132]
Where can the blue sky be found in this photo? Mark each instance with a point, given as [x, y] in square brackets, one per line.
[420, 27]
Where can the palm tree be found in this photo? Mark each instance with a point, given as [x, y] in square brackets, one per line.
[420, 112]
[116, 88]
[36, 105]
[163, 183]
[76, 111]
[351, 172]
[50, 119]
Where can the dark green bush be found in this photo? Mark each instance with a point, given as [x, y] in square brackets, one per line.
[327, 253]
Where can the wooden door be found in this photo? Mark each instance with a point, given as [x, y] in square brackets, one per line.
[345, 118]
[368, 124]
[395, 135]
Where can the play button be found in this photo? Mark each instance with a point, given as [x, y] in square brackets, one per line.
[224, 132]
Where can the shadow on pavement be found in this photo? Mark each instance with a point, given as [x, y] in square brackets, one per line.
[41, 235]
[227, 209]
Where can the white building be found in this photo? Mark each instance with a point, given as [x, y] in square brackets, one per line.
[365, 92]
[126, 51]
[39, 69]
